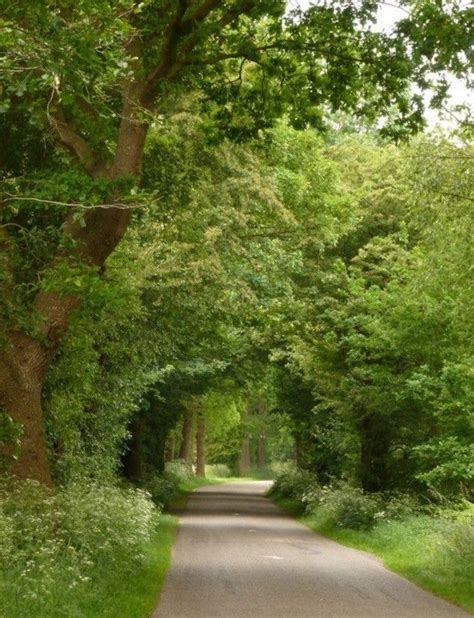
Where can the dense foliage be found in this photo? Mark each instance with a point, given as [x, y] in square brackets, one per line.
[197, 267]
[384, 350]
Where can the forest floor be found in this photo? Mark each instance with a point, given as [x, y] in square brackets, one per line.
[239, 555]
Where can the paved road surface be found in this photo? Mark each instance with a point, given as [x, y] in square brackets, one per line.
[237, 555]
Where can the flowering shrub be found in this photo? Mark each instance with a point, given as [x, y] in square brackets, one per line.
[98, 520]
[178, 472]
[49, 537]
[315, 496]
[6, 536]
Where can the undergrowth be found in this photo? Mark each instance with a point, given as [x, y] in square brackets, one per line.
[86, 551]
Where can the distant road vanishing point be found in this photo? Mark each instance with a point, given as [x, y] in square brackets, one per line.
[237, 555]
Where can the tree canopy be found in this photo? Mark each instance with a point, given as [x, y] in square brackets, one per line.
[260, 248]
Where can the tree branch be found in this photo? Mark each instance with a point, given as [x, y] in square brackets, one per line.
[180, 39]
[201, 10]
[76, 144]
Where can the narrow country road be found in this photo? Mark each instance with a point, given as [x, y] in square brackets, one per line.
[237, 555]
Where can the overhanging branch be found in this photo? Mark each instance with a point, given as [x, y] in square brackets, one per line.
[71, 140]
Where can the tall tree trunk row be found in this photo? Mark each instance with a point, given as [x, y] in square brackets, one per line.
[186, 448]
[201, 444]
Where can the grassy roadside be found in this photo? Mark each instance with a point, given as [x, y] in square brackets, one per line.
[138, 596]
[421, 548]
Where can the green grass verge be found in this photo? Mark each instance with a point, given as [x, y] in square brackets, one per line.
[433, 552]
[136, 594]
[141, 593]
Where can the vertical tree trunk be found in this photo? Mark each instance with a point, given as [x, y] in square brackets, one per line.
[244, 465]
[22, 369]
[261, 451]
[185, 451]
[170, 447]
[33, 461]
[160, 455]
[375, 442]
[201, 444]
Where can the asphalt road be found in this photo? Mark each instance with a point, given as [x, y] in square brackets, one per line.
[237, 555]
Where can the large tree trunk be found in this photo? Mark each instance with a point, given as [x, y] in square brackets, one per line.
[261, 410]
[24, 361]
[22, 369]
[201, 444]
[185, 451]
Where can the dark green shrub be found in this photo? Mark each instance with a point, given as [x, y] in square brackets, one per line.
[162, 490]
[292, 482]
[399, 506]
[350, 507]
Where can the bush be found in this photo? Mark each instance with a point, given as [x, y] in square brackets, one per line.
[50, 537]
[6, 536]
[164, 487]
[106, 520]
[162, 490]
[341, 505]
[178, 472]
[314, 497]
[450, 467]
[350, 507]
[218, 470]
[460, 542]
[399, 506]
[292, 482]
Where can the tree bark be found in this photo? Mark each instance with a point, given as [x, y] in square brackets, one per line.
[170, 448]
[185, 451]
[22, 369]
[25, 360]
[244, 465]
[22, 374]
[261, 451]
[201, 444]
[299, 457]
[261, 410]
